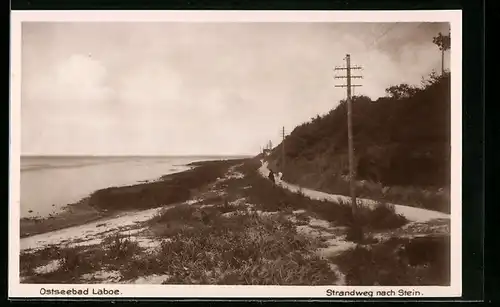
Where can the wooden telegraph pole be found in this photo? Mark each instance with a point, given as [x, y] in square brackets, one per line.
[349, 86]
[283, 149]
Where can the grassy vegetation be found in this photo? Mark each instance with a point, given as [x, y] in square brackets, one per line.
[114, 253]
[399, 262]
[244, 248]
[170, 189]
[437, 199]
[72, 263]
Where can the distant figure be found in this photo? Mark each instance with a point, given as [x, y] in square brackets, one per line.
[280, 176]
[271, 176]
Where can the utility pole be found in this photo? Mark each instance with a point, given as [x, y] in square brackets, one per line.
[442, 61]
[283, 148]
[349, 86]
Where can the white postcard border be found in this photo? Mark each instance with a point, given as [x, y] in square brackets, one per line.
[454, 17]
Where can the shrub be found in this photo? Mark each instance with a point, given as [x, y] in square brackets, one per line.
[390, 263]
[383, 216]
[121, 248]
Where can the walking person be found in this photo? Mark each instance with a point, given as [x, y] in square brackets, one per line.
[280, 176]
[271, 176]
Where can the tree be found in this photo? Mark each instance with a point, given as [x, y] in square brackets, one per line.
[432, 78]
[444, 43]
[401, 91]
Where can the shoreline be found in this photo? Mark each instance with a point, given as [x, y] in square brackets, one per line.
[239, 228]
[83, 212]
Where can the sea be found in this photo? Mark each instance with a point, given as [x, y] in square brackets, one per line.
[49, 183]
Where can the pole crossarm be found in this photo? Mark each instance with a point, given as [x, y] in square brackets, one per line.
[345, 77]
[343, 68]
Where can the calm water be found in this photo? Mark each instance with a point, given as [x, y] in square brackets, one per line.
[50, 183]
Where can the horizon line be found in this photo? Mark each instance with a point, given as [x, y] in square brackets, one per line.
[136, 155]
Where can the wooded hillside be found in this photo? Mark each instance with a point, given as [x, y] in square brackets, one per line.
[402, 139]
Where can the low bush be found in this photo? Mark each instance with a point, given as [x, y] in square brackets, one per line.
[398, 262]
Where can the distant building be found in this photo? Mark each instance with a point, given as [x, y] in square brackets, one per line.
[266, 151]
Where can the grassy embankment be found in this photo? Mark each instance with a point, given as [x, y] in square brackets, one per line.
[244, 230]
[402, 147]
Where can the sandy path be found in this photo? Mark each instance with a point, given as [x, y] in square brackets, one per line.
[411, 213]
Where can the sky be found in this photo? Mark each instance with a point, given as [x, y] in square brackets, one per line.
[200, 88]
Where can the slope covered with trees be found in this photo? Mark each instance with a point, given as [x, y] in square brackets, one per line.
[401, 142]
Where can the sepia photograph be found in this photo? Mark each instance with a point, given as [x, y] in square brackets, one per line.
[228, 152]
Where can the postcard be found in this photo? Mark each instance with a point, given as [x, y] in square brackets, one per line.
[228, 154]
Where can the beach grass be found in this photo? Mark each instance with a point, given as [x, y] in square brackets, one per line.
[422, 262]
